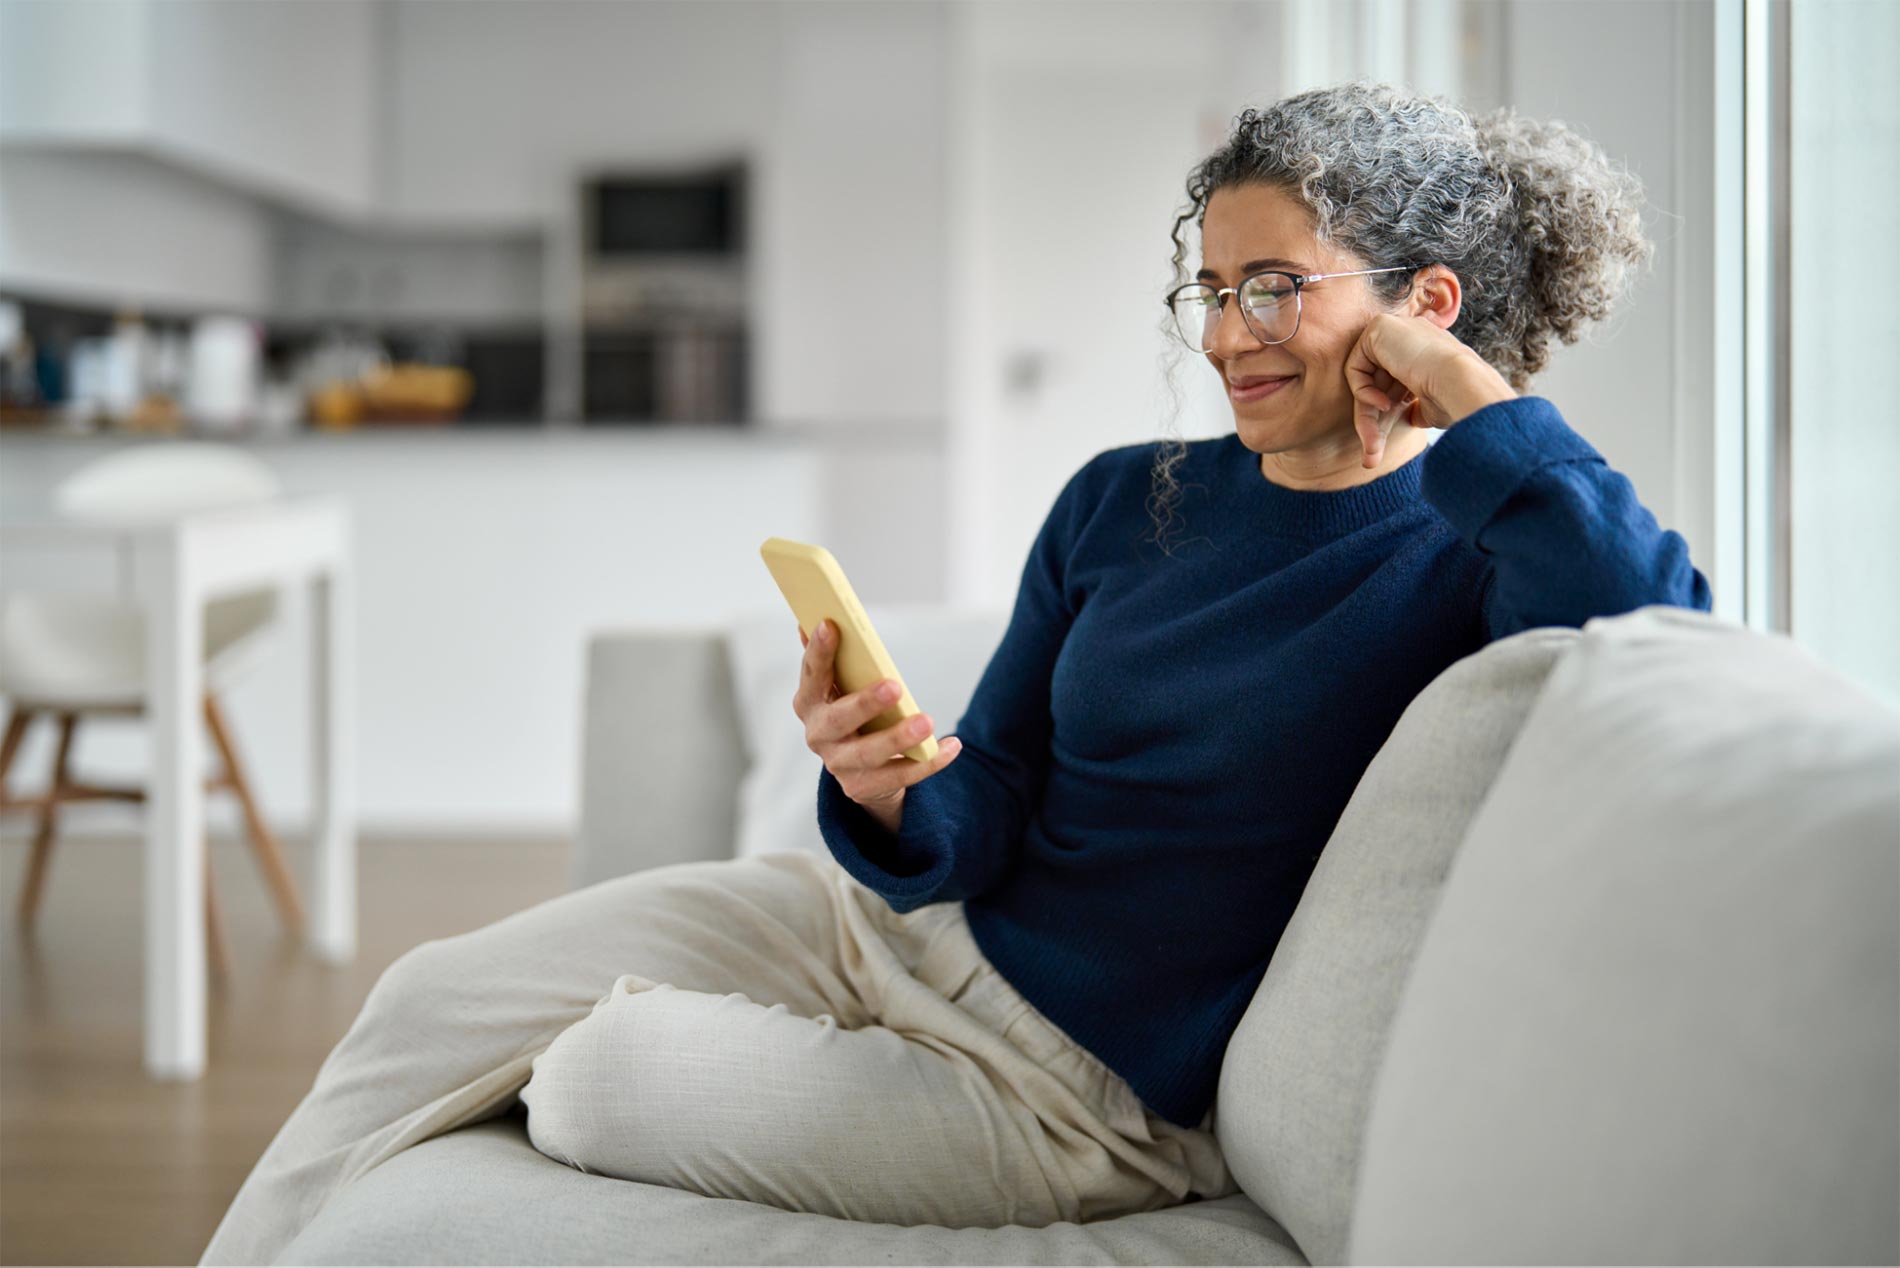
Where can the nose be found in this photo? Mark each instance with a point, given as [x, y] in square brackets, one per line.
[1232, 336]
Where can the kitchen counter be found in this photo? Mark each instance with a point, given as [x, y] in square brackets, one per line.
[486, 558]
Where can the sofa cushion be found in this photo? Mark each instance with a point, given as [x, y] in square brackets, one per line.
[941, 652]
[1297, 1079]
[485, 1195]
[1656, 1018]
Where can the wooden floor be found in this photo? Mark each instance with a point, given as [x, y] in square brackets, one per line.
[100, 1165]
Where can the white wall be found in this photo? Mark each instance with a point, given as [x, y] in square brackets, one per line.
[853, 251]
[118, 227]
[1073, 139]
[496, 106]
[1619, 387]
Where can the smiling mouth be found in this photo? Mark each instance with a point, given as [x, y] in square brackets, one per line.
[1254, 388]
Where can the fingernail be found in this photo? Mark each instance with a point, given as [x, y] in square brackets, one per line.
[953, 744]
[888, 691]
[920, 725]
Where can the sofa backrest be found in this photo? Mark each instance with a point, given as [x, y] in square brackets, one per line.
[661, 752]
[1656, 1018]
[1296, 1085]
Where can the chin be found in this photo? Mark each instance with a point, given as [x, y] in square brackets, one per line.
[1267, 437]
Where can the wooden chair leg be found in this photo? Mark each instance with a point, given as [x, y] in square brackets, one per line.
[10, 746]
[270, 856]
[43, 839]
[214, 929]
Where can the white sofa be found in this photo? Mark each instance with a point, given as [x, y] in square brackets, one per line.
[1601, 964]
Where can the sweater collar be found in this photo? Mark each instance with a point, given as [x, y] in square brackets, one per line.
[1310, 514]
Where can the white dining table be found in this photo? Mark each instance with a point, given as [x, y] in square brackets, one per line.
[171, 567]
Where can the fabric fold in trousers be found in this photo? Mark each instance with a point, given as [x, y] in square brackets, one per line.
[770, 1031]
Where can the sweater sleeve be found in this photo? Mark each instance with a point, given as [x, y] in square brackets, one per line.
[1564, 536]
[962, 827]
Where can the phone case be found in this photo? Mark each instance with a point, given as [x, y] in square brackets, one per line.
[815, 587]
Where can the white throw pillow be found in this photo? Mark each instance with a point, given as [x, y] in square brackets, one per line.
[941, 653]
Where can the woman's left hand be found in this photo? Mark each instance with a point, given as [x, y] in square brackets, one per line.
[1408, 369]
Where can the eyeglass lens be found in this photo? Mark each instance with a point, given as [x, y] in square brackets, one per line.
[1269, 305]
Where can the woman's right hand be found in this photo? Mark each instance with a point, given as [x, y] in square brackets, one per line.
[870, 768]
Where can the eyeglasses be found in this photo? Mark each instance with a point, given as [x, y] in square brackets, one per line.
[1264, 305]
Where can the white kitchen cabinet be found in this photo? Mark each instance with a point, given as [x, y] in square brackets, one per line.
[277, 99]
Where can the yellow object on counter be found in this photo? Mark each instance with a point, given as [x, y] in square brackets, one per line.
[337, 406]
[417, 391]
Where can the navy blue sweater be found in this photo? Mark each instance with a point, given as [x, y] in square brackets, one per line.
[1160, 746]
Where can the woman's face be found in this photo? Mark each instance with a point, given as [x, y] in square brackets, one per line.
[1309, 419]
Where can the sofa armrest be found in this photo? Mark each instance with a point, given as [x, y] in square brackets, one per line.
[661, 753]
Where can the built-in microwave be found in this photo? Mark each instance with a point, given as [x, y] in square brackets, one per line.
[662, 295]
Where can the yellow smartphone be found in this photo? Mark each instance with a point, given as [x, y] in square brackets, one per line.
[815, 586]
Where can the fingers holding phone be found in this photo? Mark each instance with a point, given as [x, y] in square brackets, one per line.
[816, 683]
[870, 767]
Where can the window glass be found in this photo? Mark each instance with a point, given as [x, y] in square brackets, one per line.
[1844, 440]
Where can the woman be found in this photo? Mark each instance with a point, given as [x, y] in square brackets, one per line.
[1006, 996]
[1170, 728]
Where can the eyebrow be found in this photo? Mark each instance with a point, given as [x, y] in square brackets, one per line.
[1254, 266]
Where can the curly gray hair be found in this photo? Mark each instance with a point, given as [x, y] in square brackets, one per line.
[1542, 228]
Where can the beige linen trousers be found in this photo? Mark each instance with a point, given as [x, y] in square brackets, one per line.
[771, 1031]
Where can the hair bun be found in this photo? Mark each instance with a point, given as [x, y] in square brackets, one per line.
[1579, 217]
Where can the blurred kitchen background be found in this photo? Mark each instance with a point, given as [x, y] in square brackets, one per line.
[574, 303]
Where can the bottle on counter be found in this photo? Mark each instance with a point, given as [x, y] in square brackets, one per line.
[84, 407]
[225, 358]
[125, 371]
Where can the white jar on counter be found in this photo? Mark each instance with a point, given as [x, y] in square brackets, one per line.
[226, 355]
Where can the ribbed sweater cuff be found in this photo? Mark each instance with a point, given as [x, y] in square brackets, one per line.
[907, 869]
[1483, 459]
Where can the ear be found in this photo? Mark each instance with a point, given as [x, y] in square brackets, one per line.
[1435, 296]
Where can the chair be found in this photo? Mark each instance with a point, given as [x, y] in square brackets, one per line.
[70, 655]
